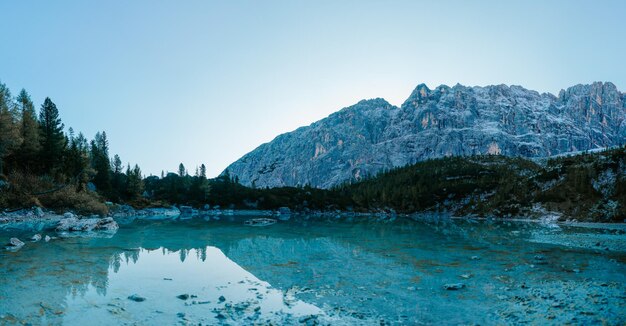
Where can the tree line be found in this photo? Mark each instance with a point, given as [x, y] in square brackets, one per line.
[40, 162]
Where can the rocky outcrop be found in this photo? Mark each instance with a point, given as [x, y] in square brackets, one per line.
[374, 135]
[34, 219]
[74, 224]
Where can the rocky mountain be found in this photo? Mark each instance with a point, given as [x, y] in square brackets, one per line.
[373, 135]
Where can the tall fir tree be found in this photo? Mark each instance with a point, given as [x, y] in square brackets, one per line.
[9, 131]
[101, 163]
[181, 170]
[52, 138]
[29, 130]
[77, 160]
[118, 179]
[134, 182]
[203, 171]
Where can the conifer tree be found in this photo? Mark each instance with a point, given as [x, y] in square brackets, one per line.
[29, 131]
[181, 170]
[77, 160]
[100, 163]
[51, 136]
[203, 171]
[9, 133]
[134, 183]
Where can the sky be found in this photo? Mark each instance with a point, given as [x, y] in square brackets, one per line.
[208, 81]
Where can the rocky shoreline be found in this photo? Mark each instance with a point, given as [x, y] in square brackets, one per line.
[69, 225]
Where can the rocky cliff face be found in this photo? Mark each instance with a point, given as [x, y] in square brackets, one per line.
[374, 135]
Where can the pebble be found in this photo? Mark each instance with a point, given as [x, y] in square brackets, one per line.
[47, 238]
[475, 258]
[183, 296]
[221, 298]
[136, 298]
[453, 286]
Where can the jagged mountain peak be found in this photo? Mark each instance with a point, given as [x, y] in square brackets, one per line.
[373, 135]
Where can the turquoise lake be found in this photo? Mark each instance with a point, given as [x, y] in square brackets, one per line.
[305, 270]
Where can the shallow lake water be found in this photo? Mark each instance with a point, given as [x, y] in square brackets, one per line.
[313, 270]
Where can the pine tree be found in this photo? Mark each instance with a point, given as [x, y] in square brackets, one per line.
[117, 164]
[181, 170]
[51, 136]
[117, 178]
[203, 171]
[9, 131]
[134, 182]
[100, 163]
[28, 151]
[77, 160]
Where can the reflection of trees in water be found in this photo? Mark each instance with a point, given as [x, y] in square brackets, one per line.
[51, 272]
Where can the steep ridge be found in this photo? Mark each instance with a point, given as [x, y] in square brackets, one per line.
[373, 135]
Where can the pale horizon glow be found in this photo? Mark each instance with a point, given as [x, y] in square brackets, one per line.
[208, 81]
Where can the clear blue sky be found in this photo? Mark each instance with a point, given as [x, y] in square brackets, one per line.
[206, 82]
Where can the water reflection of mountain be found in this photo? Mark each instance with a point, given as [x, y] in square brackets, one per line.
[52, 272]
[362, 268]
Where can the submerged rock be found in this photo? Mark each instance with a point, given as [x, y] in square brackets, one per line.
[183, 296]
[260, 222]
[36, 237]
[14, 244]
[453, 286]
[136, 298]
[47, 238]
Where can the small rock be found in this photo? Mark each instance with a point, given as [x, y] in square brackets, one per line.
[167, 279]
[307, 319]
[180, 315]
[47, 238]
[38, 211]
[453, 286]
[540, 257]
[221, 316]
[14, 243]
[411, 288]
[221, 298]
[183, 296]
[36, 237]
[576, 270]
[475, 258]
[465, 276]
[137, 298]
